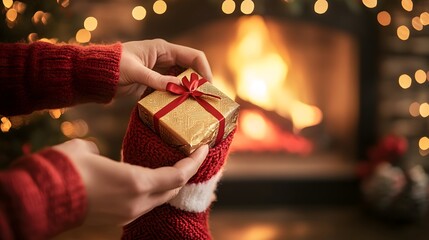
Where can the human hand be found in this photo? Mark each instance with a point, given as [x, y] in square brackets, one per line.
[119, 192]
[142, 63]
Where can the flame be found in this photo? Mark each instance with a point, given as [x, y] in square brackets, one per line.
[262, 75]
[257, 131]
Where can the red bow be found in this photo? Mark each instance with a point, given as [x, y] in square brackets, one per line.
[189, 89]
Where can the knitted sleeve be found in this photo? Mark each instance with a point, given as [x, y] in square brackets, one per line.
[41, 195]
[44, 76]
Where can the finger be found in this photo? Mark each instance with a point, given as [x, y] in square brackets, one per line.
[153, 79]
[167, 178]
[189, 57]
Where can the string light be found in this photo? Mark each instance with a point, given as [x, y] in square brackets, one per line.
[420, 76]
[63, 3]
[417, 24]
[247, 6]
[424, 143]
[384, 18]
[424, 18]
[228, 6]
[7, 3]
[90, 23]
[403, 32]
[407, 5]
[370, 3]
[5, 124]
[19, 6]
[424, 110]
[11, 15]
[139, 12]
[159, 6]
[414, 109]
[321, 6]
[83, 36]
[404, 81]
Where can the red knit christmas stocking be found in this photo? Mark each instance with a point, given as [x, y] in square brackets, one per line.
[185, 216]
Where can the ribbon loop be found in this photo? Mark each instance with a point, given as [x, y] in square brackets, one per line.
[189, 89]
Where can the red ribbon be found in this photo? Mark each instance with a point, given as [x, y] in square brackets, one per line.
[189, 89]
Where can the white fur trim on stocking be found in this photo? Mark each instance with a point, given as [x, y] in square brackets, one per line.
[196, 197]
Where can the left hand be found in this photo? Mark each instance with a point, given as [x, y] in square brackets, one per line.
[142, 61]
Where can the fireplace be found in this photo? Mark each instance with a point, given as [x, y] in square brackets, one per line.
[304, 85]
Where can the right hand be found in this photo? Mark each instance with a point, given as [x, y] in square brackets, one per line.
[119, 192]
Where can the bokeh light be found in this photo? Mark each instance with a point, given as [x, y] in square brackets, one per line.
[407, 5]
[424, 18]
[228, 6]
[424, 110]
[370, 3]
[420, 76]
[159, 6]
[247, 6]
[417, 24]
[83, 36]
[7, 3]
[90, 23]
[414, 109]
[424, 143]
[384, 18]
[139, 13]
[403, 32]
[321, 6]
[11, 15]
[405, 81]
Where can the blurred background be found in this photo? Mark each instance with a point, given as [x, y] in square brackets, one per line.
[333, 137]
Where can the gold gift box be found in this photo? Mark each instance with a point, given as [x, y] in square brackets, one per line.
[189, 125]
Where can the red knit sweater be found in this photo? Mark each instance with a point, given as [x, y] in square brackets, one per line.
[41, 194]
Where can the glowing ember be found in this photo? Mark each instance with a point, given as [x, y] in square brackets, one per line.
[256, 133]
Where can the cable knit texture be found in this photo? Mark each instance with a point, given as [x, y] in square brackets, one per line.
[42, 194]
[44, 76]
[143, 147]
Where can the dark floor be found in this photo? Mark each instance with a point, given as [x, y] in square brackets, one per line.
[297, 223]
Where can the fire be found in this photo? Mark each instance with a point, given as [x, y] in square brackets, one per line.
[262, 75]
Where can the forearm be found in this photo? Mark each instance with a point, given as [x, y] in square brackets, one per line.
[41, 195]
[44, 76]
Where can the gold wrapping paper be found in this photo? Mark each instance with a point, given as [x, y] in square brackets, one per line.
[189, 125]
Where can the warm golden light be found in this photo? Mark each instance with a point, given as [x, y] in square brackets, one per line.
[55, 113]
[261, 231]
[424, 18]
[7, 3]
[5, 124]
[384, 18]
[45, 18]
[32, 37]
[261, 74]
[83, 36]
[370, 3]
[405, 81]
[63, 3]
[424, 110]
[253, 125]
[414, 109]
[77, 128]
[228, 6]
[420, 76]
[424, 143]
[407, 5]
[139, 13]
[247, 6]
[159, 6]
[90, 23]
[321, 6]
[37, 17]
[19, 6]
[11, 15]
[403, 32]
[417, 24]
